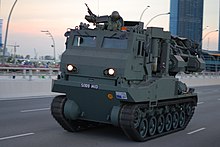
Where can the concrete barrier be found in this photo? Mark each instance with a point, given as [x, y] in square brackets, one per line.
[24, 88]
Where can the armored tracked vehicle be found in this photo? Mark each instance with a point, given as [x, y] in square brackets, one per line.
[122, 74]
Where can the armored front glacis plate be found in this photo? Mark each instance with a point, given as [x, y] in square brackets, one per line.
[124, 75]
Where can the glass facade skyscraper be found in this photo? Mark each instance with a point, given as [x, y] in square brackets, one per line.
[219, 29]
[186, 19]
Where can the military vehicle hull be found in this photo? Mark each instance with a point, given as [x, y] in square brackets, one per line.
[133, 108]
[124, 75]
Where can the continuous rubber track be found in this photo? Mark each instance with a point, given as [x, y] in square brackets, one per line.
[57, 108]
[128, 117]
[134, 119]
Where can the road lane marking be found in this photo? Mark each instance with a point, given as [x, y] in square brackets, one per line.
[199, 103]
[26, 98]
[34, 110]
[16, 136]
[196, 131]
[219, 99]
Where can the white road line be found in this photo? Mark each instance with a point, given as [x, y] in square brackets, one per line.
[25, 98]
[16, 136]
[199, 103]
[34, 110]
[196, 131]
[219, 99]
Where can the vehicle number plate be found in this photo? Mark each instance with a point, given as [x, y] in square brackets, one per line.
[92, 86]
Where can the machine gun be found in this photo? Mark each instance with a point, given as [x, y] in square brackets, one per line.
[90, 12]
[92, 18]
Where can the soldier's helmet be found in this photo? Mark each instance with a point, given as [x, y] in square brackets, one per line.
[115, 15]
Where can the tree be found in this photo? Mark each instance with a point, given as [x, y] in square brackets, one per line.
[27, 57]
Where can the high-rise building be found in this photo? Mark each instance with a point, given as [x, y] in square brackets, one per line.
[1, 23]
[219, 29]
[186, 19]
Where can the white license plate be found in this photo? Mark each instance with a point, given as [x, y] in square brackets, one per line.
[92, 86]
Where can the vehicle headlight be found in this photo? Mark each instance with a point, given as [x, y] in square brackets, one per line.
[71, 68]
[109, 72]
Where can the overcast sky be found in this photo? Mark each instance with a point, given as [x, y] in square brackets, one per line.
[31, 16]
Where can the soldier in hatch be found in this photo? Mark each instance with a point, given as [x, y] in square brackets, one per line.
[115, 22]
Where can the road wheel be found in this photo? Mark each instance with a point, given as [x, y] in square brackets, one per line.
[168, 122]
[182, 118]
[189, 109]
[175, 120]
[152, 125]
[143, 128]
[160, 123]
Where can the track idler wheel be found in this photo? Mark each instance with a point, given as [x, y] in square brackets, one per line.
[189, 109]
[57, 111]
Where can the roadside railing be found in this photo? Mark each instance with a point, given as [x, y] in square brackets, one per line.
[199, 75]
[29, 73]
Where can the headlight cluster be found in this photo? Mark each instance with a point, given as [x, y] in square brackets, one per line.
[71, 68]
[109, 72]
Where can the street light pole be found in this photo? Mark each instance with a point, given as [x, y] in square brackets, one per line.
[51, 36]
[206, 36]
[143, 12]
[6, 32]
[207, 27]
[209, 33]
[156, 17]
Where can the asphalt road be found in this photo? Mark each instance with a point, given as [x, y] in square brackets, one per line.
[28, 123]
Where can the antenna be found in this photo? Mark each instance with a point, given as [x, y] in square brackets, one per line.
[98, 7]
